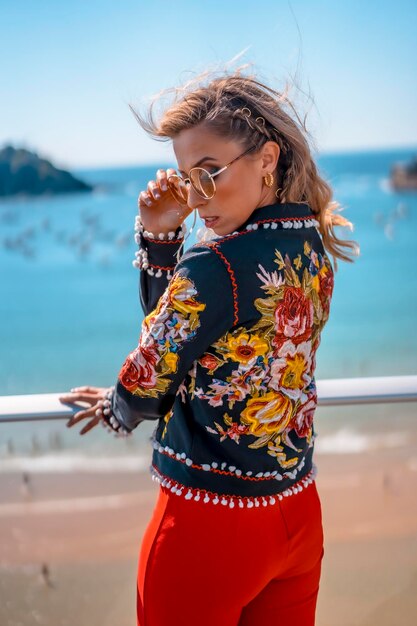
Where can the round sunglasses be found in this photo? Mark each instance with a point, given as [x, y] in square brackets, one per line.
[200, 180]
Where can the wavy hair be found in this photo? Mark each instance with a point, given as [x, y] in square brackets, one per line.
[221, 102]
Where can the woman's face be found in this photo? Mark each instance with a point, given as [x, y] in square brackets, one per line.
[240, 189]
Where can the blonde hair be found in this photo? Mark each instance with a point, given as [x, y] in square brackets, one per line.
[222, 104]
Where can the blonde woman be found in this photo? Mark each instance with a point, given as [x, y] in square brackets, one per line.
[226, 358]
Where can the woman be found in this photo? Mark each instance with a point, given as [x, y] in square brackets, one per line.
[225, 361]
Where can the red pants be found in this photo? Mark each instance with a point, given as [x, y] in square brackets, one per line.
[209, 565]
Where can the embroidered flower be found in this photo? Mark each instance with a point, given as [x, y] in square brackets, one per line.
[303, 420]
[216, 394]
[267, 414]
[245, 347]
[171, 359]
[139, 369]
[293, 317]
[291, 370]
[174, 320]
[181, 294]
[210, 362]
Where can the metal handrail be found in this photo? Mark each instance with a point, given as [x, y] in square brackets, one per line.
[330, 392]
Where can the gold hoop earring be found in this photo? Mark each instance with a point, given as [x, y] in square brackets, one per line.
[277, 192]
[269, 179]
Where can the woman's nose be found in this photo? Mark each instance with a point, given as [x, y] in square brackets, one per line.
[194, 200]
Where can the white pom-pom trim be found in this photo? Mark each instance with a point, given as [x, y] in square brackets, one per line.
[285, 223]
[250, 502]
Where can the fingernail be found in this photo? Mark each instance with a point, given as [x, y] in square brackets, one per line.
[157, 194]
[164, 186]
[148, 202]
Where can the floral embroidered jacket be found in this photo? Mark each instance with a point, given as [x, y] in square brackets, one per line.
[226, 358]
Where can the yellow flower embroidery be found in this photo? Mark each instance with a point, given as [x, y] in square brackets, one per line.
[293, 373]
[315, 283]
[181, 296]
[267, 414]
[171, 359]
[245, 347]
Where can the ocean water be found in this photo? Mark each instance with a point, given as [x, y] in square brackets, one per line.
[69, 299]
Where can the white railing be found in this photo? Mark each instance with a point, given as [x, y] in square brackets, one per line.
[330, 392]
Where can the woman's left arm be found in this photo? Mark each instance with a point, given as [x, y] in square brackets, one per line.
[196, 308]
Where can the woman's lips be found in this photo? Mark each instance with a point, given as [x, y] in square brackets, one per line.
[210, 221]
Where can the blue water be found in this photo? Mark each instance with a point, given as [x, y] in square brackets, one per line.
[69, 306]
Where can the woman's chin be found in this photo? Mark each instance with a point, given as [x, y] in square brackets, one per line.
[205, 233]
[221, 232]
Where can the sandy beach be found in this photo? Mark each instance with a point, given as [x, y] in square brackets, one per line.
[87, 528]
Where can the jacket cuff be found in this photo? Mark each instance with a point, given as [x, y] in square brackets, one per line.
[158, 257]
[108, 417]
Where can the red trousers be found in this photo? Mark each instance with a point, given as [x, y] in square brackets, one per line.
[209, 565]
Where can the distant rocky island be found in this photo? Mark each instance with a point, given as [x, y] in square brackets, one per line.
[23, 172]
[404, 176]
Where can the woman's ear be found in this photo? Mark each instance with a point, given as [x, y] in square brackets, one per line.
[269, 157]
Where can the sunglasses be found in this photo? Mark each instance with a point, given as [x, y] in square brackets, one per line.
[200, 180]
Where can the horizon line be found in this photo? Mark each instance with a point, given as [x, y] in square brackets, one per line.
[323, 153]
[159, 162]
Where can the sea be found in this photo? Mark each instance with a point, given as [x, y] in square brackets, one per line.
[70, 309]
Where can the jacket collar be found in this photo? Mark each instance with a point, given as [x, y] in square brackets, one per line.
[276, 211]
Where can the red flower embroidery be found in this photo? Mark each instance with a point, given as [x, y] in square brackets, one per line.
[303, 421]
[138, 370]
[209, 361]
[326, 289]
[293, 317]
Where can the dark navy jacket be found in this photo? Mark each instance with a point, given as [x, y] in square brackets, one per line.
[226, 357]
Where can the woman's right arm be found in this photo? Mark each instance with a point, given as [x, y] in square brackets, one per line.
[197, 307]
[156, 266]
[159, 216]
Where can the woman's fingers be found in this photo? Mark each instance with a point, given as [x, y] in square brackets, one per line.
[78, 397]
[144, 199]
[161, 177]
[91, 424]
[153, 190]
[80, 415]
[161, 184]
[84, 394]
[90, 395]
[158, 208]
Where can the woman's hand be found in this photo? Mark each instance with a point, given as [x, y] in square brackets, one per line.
[159, 211]
[90, 395]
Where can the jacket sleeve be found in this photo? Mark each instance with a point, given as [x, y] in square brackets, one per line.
[196, 309]
[157, 269]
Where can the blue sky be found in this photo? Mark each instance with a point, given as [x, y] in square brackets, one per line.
[69, 69]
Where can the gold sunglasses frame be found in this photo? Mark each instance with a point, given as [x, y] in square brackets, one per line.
[188, 180]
